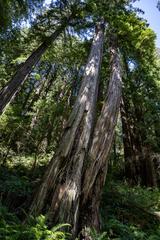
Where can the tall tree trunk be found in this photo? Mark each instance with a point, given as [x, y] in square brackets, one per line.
[139, 167]
[36, 91]
[131, 152]
[62, 180]
[44, 86]
[96, 171]
[157, 130]
[40, 89]
[147, 171]
[8, 92]
[52, 79]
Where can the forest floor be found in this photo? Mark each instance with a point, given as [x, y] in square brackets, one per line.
[127, 212]
[130, 212]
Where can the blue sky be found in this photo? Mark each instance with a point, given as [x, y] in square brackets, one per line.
[152, 15]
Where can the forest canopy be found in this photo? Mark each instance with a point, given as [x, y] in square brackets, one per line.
[79, 121]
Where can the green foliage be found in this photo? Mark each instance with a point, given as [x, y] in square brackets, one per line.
[35, 229]
[128, 212]
[99, 236]
[15, 185]
[13, 11]
[31, 127]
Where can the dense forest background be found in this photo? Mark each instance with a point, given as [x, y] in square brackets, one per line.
[80, 121]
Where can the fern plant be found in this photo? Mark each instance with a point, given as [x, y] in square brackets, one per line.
[35, 229]
[99, 236]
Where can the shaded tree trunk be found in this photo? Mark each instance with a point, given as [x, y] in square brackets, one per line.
[41, 94]
[8, 92]
[40, 89]
[35, 92]
[157, 131]
[131, 152]
[139, 167]
[61, 186]
[52, 79]
[95, 174]
[147, 171]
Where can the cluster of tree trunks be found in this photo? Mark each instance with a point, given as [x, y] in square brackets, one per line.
[73, 182]
[139, 165]
[95, 173]
[61, 185]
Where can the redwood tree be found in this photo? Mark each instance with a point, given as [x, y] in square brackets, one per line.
[95, 174]
[61, 185]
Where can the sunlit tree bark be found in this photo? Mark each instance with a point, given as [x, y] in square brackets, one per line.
[96, 171]
[61, 186]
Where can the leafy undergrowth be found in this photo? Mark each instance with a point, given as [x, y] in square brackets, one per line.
[130, 213]
[11, 228]
[18, 180]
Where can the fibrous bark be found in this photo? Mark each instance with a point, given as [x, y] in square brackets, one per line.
[61, 185]
[96, 171]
